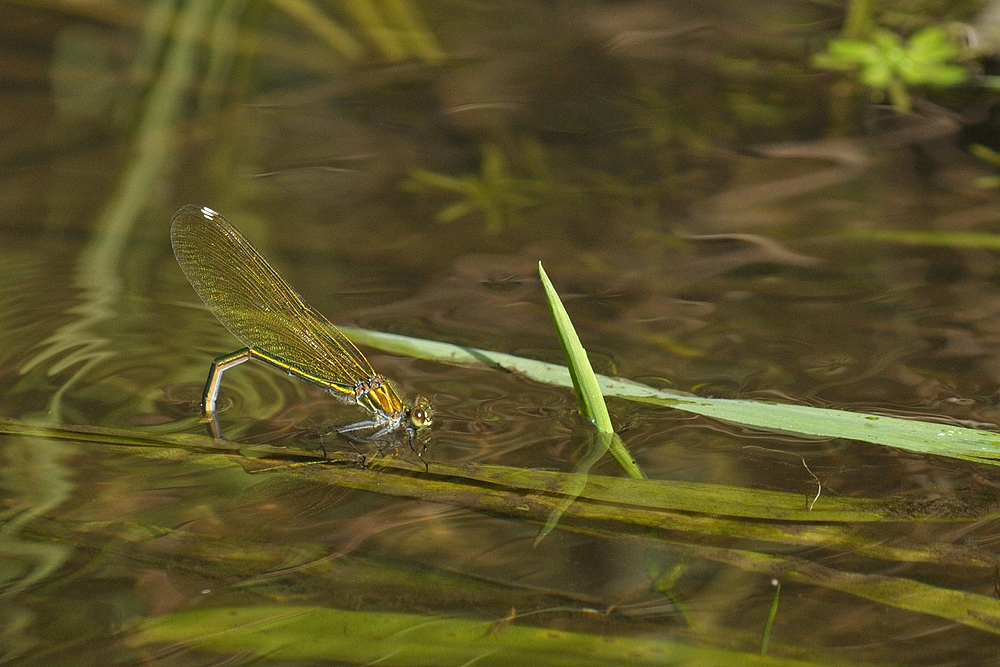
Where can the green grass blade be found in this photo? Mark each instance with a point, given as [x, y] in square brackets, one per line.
[977, 240]
[368, 16]
[669, 495]
[590, 404]
[402, 640]
[695, 508]
[627, 504]
[588, 391]
[408, 19]
[314, 20]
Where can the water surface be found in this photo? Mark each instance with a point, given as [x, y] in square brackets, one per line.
[674, 170]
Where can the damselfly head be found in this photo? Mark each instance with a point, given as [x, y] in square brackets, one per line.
[422, 413]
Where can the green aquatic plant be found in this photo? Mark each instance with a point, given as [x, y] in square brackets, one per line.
[669, 516]
[989, 156]
[588, 392]
[910, 435]
[496, 190]
[929, 238]
[590, 404]
[889, 66]
[394, 639]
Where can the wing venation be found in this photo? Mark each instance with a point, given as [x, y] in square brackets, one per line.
[254, 302]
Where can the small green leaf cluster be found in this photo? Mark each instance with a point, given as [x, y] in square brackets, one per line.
[495, 191]
[887, 65]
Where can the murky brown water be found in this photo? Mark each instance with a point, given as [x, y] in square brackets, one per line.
[670, 167]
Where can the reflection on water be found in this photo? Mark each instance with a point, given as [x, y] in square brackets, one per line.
[406, 165]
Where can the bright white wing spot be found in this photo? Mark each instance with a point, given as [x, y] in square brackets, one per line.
[208, 213]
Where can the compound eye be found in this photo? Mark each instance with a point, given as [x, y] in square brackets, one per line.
[421, 414]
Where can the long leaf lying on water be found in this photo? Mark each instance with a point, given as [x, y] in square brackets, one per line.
[974, 610]
[907, 434]
[651, 494]
[630, 518]
[616, 517]
[633, 506]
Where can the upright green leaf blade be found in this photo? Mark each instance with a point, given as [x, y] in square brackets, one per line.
[588, 389]
[588, 392]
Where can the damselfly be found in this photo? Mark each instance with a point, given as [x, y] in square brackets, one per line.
[277, 327]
